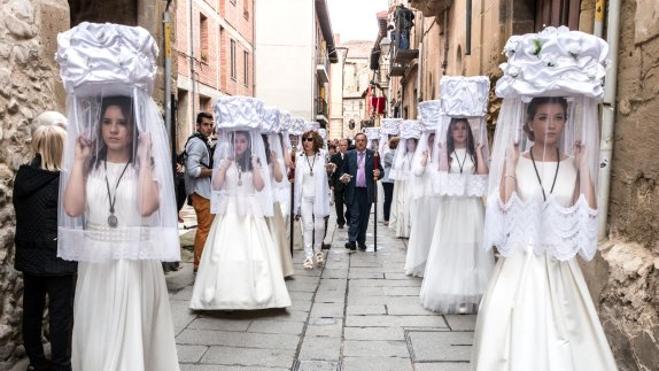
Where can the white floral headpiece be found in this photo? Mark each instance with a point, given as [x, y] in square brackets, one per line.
[464, 96]
[238, 113]
[117, 57]
[556, 61]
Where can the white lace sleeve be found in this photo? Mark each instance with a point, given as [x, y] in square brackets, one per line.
[541, 226]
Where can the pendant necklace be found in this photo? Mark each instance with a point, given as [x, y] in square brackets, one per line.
[311, 164]
[240, 175]
[537, 174]
[113, 222]
[464, 160]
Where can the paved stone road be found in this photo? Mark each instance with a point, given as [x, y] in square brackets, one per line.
[358, 313]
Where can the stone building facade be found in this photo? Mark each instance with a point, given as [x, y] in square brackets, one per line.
[467, 37]
[29, 85]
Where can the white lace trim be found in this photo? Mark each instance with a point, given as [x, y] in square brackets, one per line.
[454, 184]
[542, 226]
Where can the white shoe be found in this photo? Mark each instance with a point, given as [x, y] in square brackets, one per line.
[308, 264]
[320, 258]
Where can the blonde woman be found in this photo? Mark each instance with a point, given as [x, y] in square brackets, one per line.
[44, 274]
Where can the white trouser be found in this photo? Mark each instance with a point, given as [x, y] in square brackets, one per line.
[313, 227]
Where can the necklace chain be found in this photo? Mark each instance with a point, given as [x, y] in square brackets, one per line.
[537, 174]
[112, 219]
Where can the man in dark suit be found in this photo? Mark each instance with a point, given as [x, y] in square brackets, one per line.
[357, 175]
[337, 186]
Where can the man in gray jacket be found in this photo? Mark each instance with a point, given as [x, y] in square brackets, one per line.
[198, 171]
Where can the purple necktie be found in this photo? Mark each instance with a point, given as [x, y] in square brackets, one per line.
[361, 174]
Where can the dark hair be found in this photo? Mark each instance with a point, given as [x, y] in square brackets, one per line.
[317, 140]
[332, 146]
[245, 160]
[125, 104]
[533, 107]
[360, 133]
[393, 142]
[470, 147]
[203, 115]
[416, 141]
[266, 145]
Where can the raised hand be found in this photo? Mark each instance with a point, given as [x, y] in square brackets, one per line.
[580, 155]
[512, 157]
[83, 148]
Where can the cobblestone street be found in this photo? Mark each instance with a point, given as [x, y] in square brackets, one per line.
[358, 313]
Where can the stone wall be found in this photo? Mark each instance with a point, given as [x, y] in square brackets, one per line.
[28, 86]
[624, 280]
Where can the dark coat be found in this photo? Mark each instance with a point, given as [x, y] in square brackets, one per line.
[35, 201]
[334, 181]
[350, 167]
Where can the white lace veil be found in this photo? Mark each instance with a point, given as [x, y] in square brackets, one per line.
[543, 173]
[410, 132]
[273, 140]
[424, 162]
[390, 127]
[373, 137]
[241, 181]
[463, 105]
[117, 200]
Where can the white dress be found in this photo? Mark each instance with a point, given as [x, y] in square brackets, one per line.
[537, 313]
[277, 226]
[122, 319]
[401, 205]
[421, 232]
[239, 267]
[458, 269]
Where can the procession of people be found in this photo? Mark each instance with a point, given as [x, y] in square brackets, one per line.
[445, 183]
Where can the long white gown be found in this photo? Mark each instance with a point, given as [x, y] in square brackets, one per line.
[277, 226]
[537, 313]
[458, 269]
[122, 319]
[239, 268]
[401, 205]
[421, 231]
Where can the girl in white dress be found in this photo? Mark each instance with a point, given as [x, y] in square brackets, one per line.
[410, 132]
[239, 267]
[312, 197]
[458, 269]
[537, 313]
[423, 198]
[280, 188]
[118, 212]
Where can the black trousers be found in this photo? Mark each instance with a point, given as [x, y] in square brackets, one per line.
[388, 196]
[360, 211]
[60, 291]
[340, 206]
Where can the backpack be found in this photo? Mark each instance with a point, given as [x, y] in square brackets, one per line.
[179, 177]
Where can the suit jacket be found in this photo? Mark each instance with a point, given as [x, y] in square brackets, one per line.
[338, 161]
[350, 167]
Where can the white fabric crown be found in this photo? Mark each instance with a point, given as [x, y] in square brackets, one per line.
[93, 54]
[284, 120]
[312, 126]
[464, 96]
[556, 61]
[271, 120]
[410, 129]
[430, 113]
[372, 133]
[390, 126]
[238, 113]
[297, 126]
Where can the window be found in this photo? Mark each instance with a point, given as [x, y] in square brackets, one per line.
[233, 59]
[557, 13]
[203, 37]
[246, 67]
[468, 29]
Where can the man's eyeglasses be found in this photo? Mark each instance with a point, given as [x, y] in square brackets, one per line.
[309, 139]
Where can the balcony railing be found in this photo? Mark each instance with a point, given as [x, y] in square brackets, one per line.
[322, 66]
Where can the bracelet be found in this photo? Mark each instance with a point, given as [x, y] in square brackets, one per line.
[509, 176]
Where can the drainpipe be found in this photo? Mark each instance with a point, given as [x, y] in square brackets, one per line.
[192, 71]
[608, 108]
[167, 31]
